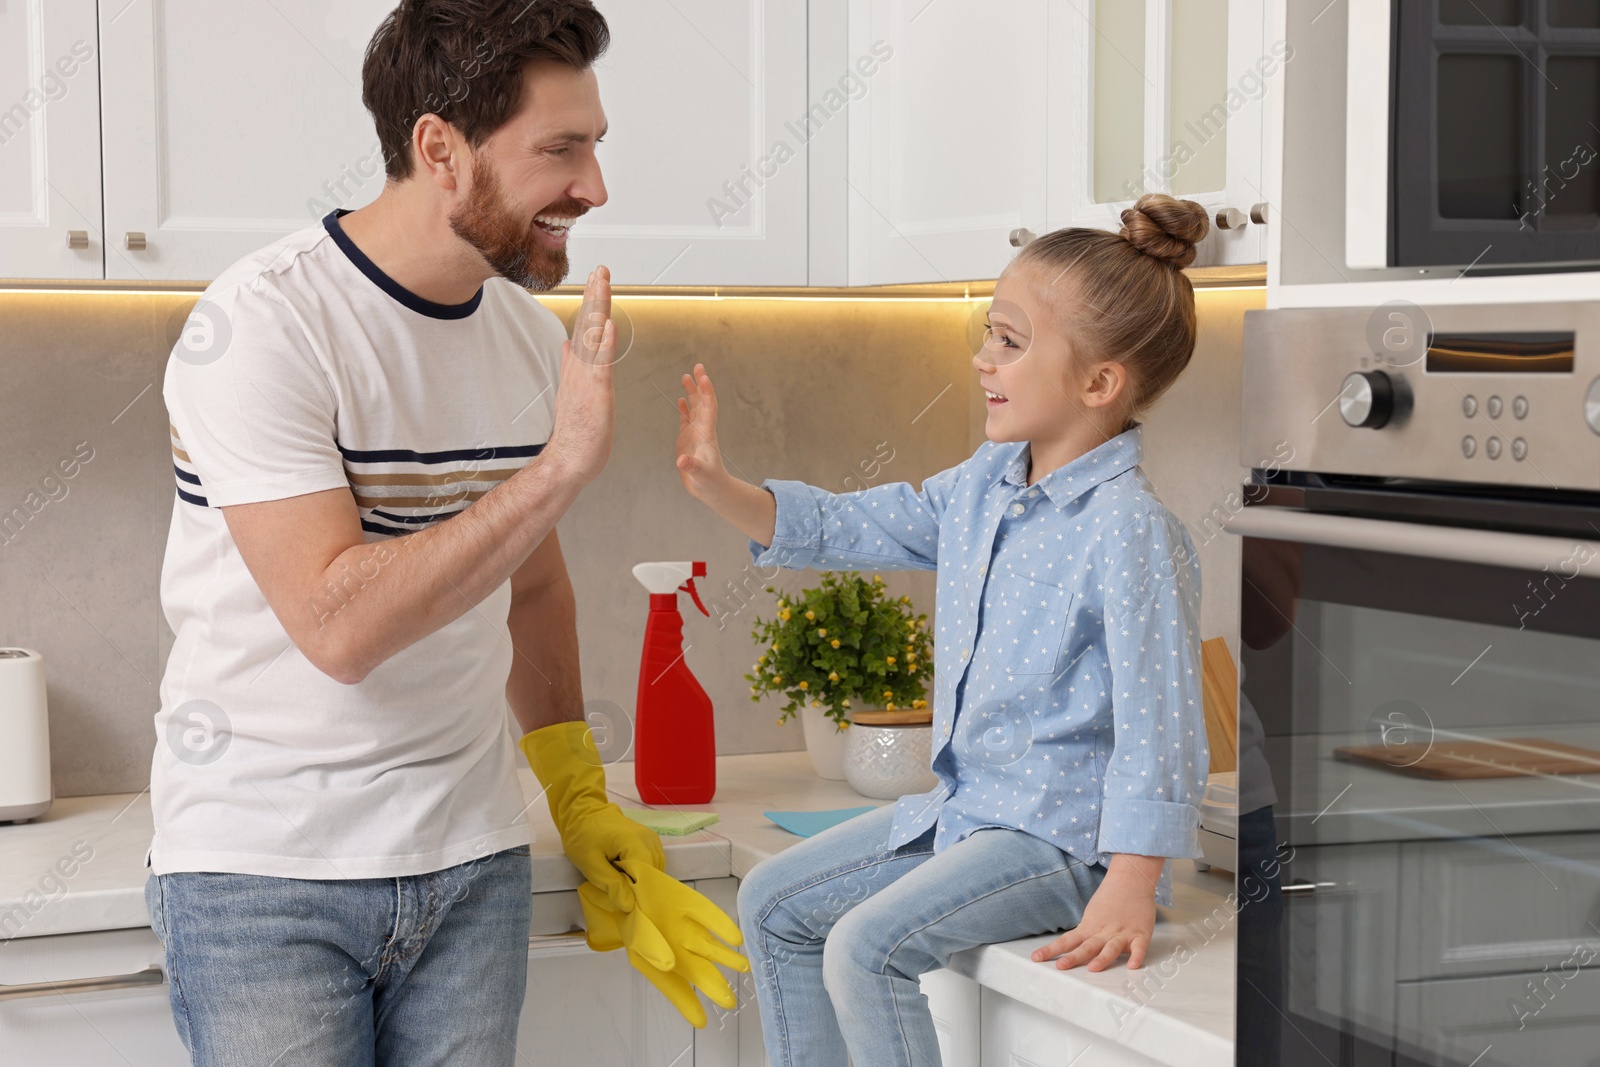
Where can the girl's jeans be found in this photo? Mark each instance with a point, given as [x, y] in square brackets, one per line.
[839, 928]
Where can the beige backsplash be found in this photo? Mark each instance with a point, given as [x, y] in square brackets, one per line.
[839, 393]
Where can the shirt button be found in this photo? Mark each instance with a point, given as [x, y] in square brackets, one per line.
[1018, 508]
[983, 568]
[965, 652]
[1034, 491]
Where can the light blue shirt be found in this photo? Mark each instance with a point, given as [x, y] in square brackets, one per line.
[1067, 683]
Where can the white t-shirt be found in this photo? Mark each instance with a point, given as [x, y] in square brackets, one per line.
[305, 368]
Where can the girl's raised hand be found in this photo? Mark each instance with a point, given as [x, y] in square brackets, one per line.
[699, 459]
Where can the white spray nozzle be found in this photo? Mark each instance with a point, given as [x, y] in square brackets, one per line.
[672, 577]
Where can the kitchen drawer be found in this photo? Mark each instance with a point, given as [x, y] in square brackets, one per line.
[1494, 905]
[1498, 1022]
[85, 1000]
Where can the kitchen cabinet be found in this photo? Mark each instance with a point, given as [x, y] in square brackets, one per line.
[954, 1000]
[706, 158]
[1160, 96]
[49, 141]
[1341, 908]
[593, 1008]
[947, 137]
[79, 1021]
[987, 118]
[1013, 1033]
[1501, 1022]
[226, 126]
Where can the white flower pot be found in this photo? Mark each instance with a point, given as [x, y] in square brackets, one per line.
[889, 761]
[825, 743]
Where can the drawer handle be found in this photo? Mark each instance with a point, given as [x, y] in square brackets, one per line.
[1307, 888]
[149, 976]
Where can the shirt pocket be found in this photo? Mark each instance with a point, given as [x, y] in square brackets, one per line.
[1033, 614]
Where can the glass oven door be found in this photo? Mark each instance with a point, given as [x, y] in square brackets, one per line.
[1419, 778]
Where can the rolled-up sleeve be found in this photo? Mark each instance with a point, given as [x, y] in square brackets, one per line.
[889, 527]
[1156, 775]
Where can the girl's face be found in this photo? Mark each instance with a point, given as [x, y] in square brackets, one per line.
[1036, 388]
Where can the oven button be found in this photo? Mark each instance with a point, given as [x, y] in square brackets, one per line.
[1591, 406]
[1491, 448]
[1519, 407]
[1367, 399]
[1494, 407]
[1469, 405]
[1519, 449]
[1469, 446]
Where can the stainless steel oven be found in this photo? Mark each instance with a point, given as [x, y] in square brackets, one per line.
[1419, 870]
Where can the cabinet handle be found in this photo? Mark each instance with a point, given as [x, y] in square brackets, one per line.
[133, 241]
[1258, 213]
[149, 976]
[1307, 888]
[1021, 236]
[1231, 218]
[77, 238]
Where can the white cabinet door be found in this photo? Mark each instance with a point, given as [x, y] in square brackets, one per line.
[226, 126]
[85, 1000]
[704, 161]
[49, 140]
[953, 1000]
[1549, 1016]
[1162, 96]
[593, 1008]
[1019, 1035]
[947, 136]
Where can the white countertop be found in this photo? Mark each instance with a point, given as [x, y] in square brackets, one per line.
[1178, 1009]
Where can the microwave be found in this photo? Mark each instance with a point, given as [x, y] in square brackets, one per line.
[1473, 135]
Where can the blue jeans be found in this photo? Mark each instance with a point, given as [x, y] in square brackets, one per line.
[839, 929]
[422, 970]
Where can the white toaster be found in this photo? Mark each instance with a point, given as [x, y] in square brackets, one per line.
[25, 726]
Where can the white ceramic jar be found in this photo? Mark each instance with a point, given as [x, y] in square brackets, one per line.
[888, 759]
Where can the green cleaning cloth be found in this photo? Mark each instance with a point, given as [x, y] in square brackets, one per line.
[673, 823]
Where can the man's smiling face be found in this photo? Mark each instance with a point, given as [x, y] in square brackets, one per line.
[534, 176]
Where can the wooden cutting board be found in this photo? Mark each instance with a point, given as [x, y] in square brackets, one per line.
[1510, 757]
[1219, 688]
[898, 717]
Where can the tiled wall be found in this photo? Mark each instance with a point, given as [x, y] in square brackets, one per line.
[809, 389]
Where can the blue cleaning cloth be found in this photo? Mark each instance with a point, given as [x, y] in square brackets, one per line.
[809, 823]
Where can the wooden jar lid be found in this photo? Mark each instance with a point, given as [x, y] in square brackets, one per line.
[898, 717]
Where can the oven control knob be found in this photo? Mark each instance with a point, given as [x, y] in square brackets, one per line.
[1367, 399]
[1591, 406]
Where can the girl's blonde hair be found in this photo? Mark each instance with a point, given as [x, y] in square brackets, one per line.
[1133, 303]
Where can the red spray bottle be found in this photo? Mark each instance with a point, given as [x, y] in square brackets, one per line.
[675, 756]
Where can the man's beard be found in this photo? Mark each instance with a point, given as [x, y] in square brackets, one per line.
[513, 247]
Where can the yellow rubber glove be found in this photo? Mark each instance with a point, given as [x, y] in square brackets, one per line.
[678, 973]
[593, 830]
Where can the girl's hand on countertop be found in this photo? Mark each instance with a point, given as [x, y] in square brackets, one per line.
[699, 457]
[1119, 919]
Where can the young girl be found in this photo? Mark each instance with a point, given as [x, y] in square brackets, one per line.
[1069, 739]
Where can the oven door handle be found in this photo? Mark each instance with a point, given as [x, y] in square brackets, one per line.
[1495, 548]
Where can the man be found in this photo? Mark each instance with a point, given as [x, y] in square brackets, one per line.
[374, 438]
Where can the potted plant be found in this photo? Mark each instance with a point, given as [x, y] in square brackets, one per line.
[841, 645]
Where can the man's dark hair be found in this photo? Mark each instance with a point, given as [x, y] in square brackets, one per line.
[463, 61]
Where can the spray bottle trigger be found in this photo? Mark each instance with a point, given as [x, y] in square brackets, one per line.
[688, 587]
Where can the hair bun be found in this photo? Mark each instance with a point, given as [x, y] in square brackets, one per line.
[1165, 228]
